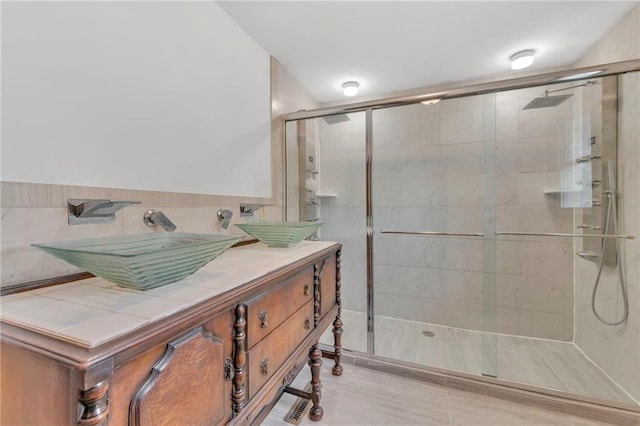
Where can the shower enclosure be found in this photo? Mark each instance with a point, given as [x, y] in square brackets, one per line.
[472, 230]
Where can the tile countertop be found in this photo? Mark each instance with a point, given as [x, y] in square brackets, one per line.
[93, 311]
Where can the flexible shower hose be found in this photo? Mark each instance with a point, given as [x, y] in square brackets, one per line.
[611, 208]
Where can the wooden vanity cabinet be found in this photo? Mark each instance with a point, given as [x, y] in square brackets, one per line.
[221, 361]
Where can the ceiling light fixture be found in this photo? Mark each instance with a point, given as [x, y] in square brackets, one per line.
[522, 59]
[350, 88]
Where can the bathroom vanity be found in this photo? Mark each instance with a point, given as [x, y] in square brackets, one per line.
[215, 348]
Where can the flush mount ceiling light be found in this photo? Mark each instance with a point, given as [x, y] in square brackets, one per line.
[350, 88]
[521, 59]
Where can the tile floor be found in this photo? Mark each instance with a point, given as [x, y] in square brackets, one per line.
[363, 396]
[543, 363]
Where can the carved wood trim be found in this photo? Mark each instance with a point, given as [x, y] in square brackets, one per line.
[94, 405]
[317, 276]
[178, 350]
[291, 375]
[240, 359]
[337, 324]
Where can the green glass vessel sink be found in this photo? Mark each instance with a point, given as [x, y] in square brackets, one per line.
[142, 261]
[280, 234]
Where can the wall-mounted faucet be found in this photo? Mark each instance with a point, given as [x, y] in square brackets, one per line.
[86, 211]
[156, 217]
[247, 209]
[225, 216]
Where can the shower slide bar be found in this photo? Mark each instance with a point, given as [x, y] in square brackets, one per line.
[448, 234]
[553, 234]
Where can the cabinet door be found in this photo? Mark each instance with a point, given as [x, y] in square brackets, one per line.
[187, 385]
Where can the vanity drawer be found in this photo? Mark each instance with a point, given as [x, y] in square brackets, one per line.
[269, 355]
[269, 311]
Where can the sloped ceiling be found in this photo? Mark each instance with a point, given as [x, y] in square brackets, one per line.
[390, 46]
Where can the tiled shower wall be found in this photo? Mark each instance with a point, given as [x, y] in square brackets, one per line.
[469, 165]
[615, 348]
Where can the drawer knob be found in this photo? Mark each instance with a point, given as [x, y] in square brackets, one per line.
[264, 367]
[263, 319]
[307, 324]
[306, 289]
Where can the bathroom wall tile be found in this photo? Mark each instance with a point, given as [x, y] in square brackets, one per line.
[506, 155]
[546, 325]
[451, 132]
[462, 286]
[464, 190]
[23, 226]
[463, 220]
[545, 294]
[463, 254]
[409, 281]
[464, 159]
[507, 290]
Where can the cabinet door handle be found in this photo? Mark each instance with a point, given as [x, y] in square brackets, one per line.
[263, 319]
[306, 289]
[264, 367]
[307, 324]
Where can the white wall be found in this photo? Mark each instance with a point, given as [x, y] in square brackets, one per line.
[165, 96]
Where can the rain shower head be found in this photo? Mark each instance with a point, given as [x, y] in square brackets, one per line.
[547, 101]
[337, 118]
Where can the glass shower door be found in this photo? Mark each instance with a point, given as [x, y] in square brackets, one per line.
[433, 196]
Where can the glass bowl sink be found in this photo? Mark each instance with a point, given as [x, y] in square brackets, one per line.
[142, 261]
[280, 234]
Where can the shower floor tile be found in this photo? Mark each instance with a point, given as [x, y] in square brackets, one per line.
[560, 366]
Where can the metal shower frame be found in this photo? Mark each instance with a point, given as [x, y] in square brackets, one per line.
[449, 91]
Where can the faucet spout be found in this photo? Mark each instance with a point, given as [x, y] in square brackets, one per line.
[225, 216]
[156, 217]
[84, 211]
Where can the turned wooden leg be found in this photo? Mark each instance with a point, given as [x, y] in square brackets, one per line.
[315, 362]
[337, 324]
[337, 346]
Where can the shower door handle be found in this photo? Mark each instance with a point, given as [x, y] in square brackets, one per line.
[436, 233]
[558, 234]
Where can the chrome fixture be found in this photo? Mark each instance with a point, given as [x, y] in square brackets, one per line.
[436, 233]
[546, 101]
[611, 218]
[225, 216]
[522, 59]
[558, 234]
[247, 209]
[587, 158]
[86, 211]
[156, 217]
